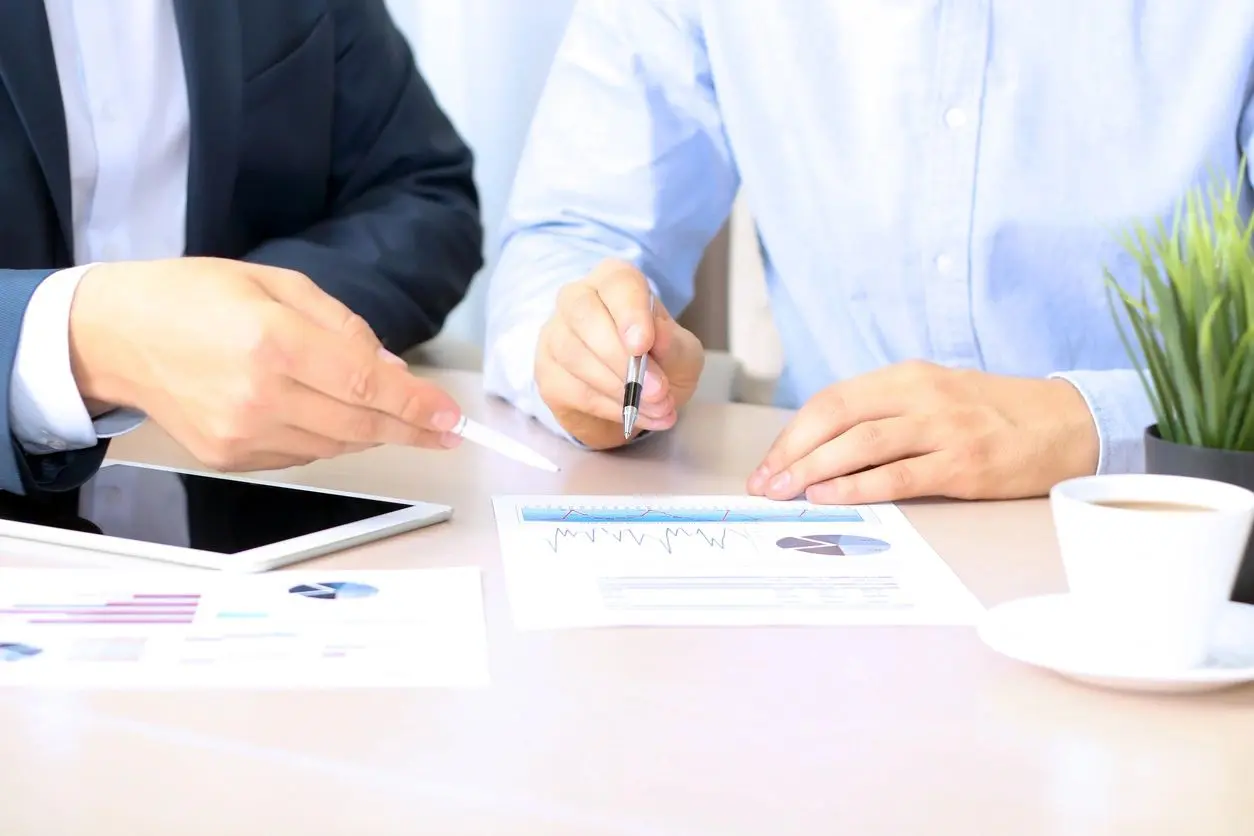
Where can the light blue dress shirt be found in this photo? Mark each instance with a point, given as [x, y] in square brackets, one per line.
[937, 179]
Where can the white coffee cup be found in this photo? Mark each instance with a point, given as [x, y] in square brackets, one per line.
[1150, 561]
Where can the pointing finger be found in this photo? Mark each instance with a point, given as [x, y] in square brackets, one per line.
[354, 373]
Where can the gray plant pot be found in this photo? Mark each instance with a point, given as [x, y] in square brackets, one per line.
[1231, 466]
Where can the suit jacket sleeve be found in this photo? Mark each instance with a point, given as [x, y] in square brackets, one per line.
[21, 472]
[402, 239]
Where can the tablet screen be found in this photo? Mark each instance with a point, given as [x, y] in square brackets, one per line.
[190, 510]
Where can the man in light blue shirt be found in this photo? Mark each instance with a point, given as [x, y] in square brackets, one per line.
[937, 186]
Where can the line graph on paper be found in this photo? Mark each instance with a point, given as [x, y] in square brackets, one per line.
[784, 512]
[670, 540]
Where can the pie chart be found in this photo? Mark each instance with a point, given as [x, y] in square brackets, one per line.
[10, 652]
[833, 544]
[334, 590]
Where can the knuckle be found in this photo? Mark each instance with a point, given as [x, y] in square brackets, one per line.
[901, 478]
[356, 328]
[963, 482]
[583, 398]
[232, 426]
[544, 347]
[363, 384]
[581, 305]
[221, 456]
[261, 344]
[946, 427]
[414, 411]
[976, 451]
[615, 271]
[546, 371]
[329, 448]
[918, 368]
[918, 373]
[834, 402]
[570, 296]
[869, 435]
[363, 425]
[564, 345]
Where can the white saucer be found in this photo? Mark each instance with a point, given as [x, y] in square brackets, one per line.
[1043, 631]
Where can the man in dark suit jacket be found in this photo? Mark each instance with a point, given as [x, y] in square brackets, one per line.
[228, 216]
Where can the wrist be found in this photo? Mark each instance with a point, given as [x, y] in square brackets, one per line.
[95, 350]
[1082, 447]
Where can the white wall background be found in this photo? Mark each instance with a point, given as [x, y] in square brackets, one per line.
[486, 61]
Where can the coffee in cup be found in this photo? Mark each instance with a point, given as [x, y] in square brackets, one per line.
[1150, 561]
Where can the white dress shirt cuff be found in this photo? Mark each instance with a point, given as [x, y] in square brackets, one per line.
[47, 413]
[1121, 413]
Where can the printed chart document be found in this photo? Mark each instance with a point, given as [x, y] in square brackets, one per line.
[718, 560]
[196, 629]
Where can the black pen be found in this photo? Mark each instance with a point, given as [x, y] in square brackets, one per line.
[634, 388]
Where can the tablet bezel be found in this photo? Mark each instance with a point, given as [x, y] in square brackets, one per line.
[416, 514]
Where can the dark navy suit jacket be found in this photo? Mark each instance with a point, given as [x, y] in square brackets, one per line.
[315, 145]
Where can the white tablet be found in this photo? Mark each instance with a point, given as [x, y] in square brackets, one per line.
[207, 520]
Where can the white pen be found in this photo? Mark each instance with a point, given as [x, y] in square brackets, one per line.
[487, 437]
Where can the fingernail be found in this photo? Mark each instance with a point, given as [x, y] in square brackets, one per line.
[444, 421]
[450, 440]
[780, 482]
[757, 480]
[634, 336]
[391, 358]
[652, 386]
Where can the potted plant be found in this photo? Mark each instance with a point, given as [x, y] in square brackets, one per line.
[1193, 327]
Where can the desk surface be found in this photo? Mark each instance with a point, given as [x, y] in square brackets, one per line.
[683, 731]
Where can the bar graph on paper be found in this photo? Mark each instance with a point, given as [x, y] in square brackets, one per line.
[103, 610]
[167, 629]
[708, 560]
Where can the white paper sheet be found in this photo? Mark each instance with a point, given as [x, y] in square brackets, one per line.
[199, 629]
[719, 560]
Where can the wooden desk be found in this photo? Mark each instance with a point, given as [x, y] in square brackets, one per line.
[913, 731]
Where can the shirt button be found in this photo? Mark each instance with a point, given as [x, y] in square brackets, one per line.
[944, 263]
[955, 117]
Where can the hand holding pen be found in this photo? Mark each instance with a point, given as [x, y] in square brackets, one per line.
[608, 328]
[637, 368]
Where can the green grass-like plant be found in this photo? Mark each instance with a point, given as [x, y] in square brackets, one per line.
[1193, 319]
